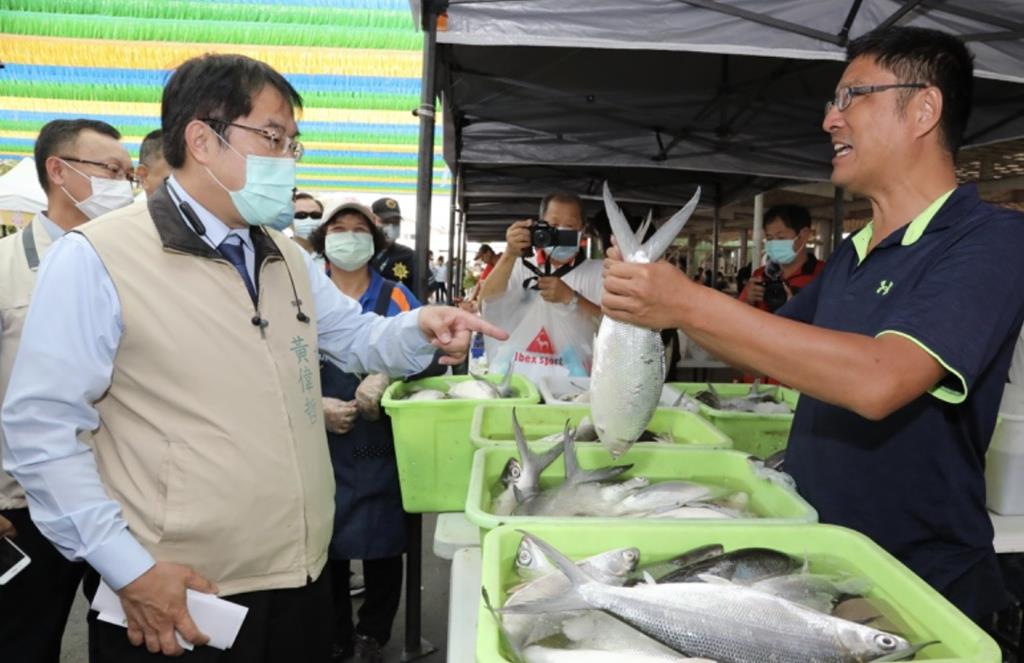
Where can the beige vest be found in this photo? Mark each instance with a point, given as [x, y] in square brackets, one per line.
[211, 435]
[17, 280]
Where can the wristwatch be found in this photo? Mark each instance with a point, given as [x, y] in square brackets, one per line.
[574, 303]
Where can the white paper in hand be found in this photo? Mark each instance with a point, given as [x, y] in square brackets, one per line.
[217, 618]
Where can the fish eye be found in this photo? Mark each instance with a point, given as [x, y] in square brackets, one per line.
[885, 641]
[631, 555]
[525, 558]
[515, 472]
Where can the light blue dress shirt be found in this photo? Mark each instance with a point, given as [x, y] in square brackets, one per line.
[65, 363]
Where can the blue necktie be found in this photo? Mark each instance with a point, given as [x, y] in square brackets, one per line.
[236, 256]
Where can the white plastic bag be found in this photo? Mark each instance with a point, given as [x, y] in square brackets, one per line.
[545, 339]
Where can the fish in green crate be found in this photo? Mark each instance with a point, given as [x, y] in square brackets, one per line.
[718, 619]
[427, 395]
[756, 400]
[522, 477]
[612, 567]
[629, 361]
[600, 493]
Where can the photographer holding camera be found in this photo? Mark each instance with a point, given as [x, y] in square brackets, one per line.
[546, 256]
[790, 267]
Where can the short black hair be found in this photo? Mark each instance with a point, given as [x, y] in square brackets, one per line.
[796, 217]
[215, 86]
[57, 135]
[920, 55]
[152, 147]
[318, 238]
[567, 197]
[302, 195]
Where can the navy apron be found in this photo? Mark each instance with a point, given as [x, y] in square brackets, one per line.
[368, 520]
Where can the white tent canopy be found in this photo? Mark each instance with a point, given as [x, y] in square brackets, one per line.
[20, 190]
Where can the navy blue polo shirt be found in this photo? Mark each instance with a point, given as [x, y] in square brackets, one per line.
[950, 282]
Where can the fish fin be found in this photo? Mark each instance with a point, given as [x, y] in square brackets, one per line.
[620, 226]
[503, 634]
[906, 653]
[505, 390]
[644, 227]
[599, 474]
[520, 438]
[656, 246]
[520, 498]
[649, 579]
[713, 580]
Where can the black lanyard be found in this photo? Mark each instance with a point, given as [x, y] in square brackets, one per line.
[531, 283]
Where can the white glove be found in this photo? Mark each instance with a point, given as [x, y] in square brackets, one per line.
[369, 393]
[339, 416]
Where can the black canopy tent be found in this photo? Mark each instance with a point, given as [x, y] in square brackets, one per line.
[659, 95]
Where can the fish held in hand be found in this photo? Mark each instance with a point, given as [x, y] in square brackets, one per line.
[629, 361]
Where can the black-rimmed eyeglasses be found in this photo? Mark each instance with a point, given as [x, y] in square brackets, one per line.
[844, 95]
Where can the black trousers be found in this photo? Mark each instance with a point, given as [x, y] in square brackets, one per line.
[34, 605]
[380, 603]
[282, 626]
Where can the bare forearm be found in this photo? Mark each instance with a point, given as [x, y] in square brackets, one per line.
[863, 374]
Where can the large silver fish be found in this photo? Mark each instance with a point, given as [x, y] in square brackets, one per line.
[724, 622]
[629, 361]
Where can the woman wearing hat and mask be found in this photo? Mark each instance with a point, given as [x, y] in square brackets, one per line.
[368, 520]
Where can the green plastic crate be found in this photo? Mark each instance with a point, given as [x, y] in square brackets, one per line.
[913, 602]
[661, 462]
[432, 440]
[492, 425]
[760, 435]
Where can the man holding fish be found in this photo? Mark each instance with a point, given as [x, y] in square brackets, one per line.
[907, 335]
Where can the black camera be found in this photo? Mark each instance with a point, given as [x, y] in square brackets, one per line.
[543, 235]
[774, 291]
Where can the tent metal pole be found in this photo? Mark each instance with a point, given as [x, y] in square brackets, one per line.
[716, 236]
[838, 212]
[713, 5]
[758, 238]
[425, 154]
[415, 646]
[452, 216]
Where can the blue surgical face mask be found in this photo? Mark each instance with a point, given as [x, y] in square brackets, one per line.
[266, 197]
[349, 250]
[780, 250]
[564, 253]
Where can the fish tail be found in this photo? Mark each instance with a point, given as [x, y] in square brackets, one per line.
[656, 246]
[620, 226]
[515, 654]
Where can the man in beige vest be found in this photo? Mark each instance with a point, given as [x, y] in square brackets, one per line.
[187, 343]
[84, 170]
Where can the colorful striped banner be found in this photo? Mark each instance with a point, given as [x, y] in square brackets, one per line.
[355, 62]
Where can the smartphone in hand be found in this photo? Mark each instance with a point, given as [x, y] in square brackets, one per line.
[12, 560]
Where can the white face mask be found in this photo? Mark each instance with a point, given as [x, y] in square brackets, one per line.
[391, 232]
[304, 227]
[107, 195]
[349, 250]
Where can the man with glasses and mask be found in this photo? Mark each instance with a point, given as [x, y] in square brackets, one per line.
[184, 333]
[901, 346]
[85, 172]
[564, 278]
